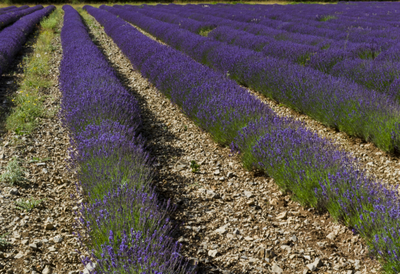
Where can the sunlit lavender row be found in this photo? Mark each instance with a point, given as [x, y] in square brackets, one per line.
[122, 223]
[316, 171]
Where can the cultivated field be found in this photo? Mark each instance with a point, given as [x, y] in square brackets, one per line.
[200, 138]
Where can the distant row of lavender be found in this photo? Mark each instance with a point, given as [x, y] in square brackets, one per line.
[213, 18]
[316, 20]
[238, 13]
[376, 22]
[126, 228]
[7, 8]
[374, 64]
[380, 73]
[381, 47]
[12, 9]
[315, 170]
[13, 37]
[334, 101]
[248, 14]
[14, 15]
[356, 17]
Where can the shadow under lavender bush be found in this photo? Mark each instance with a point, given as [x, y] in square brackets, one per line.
[126, 228]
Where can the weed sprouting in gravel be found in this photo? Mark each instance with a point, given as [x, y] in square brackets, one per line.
[3, 241]
[13, 173]
[28, 204]
[51, 22]
[37, 159]
[194, 166]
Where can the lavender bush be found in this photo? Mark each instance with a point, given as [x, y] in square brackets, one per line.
[316, 171]
[126, 228]
[222, 113]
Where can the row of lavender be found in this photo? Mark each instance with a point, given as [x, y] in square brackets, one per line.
[378, 74]
[373, 64]
[313, 51]
[13, 37]
[334, 101]
[125, 226]
[382, 46]
[323, 23]
[376, 22]
[13, 15]
[316, 171]
[240, 14]
[362, 16]
[12, 9]
[7, 8]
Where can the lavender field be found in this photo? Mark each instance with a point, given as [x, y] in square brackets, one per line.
[210, 138]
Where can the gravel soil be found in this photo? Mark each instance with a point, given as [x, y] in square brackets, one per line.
[40, 240]
[232, 220]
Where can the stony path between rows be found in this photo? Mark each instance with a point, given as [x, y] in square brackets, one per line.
[42, 240]
[231, 220]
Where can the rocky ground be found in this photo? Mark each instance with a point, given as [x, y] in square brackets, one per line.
[38, 240]
[232, 220]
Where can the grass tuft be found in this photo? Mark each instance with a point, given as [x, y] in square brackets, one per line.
[13, 173]
[3, 241]
[194, 166]
[326, 18]
[205, 31]
[28, 204]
